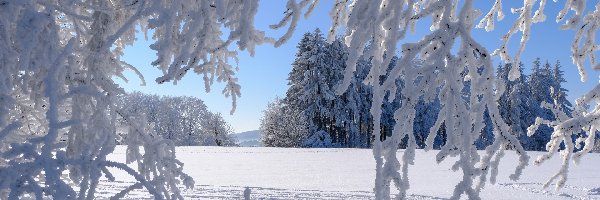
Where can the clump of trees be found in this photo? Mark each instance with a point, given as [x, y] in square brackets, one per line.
[346, 118]
[312, 101]
[523, 100]
[282, 126]
[183, 120]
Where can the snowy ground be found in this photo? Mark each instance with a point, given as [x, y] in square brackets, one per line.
[278, 173]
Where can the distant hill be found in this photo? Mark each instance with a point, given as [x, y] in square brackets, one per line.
[248, 138]
[250, 143]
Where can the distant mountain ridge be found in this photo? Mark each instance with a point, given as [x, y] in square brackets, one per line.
[248, 138]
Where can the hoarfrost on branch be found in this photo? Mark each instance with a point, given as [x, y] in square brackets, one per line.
[59, 58]
[445, 71]
[57, 93]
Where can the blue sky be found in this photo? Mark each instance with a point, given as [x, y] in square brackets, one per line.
[264, 76]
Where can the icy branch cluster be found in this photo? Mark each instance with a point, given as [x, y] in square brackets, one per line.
[452, 59]
[57, 95]
[583, 122]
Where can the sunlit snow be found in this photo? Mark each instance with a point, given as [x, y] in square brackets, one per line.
[288, 173]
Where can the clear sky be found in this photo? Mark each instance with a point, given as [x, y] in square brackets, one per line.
[264, 76]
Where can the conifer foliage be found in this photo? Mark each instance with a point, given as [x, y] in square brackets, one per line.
[343, 119]
[339, 117]
[523, 101]
[329, 120]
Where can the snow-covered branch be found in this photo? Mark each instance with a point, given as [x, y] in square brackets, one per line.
[462, 79]
[57, 94]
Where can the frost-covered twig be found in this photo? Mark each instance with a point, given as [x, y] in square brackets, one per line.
[522, 24]
[57, 94]
[291, 17]
[384, 23]
[565, 127]
[442, 75]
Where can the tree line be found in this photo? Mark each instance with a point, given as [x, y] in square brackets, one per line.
[185, 121]
[311, 115]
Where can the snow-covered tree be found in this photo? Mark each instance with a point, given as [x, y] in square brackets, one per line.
[351, 109]
[316, 70]
[218, 132]
[182, 120]
[342, 128]
[516, 106]
[309, 89]
[559, 94]
[391, 102]
[319, 139]
[296, 76]
[541, 82]
[486, 138]
[362, 96]
[282, 126]
[317, 93]
[425, 117]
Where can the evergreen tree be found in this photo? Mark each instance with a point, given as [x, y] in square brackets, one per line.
[317, 92]
[362, 96]
[559, 94]
[340, 125]
[515, 105]
[310, 90]
[296, 76]
[486, 137]
[391, 103]
[315, 73]
[425, 116]
[540, 82]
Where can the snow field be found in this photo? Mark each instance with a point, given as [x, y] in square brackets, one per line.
[288, 173]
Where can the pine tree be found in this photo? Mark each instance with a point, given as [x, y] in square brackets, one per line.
[310, 90]
[486, 138]
[391, 103]
[317, 92]
[515, 105]
[341, 128]
[315, 73]
[520, 114]
[540, 84]
[559, 93]
[362, 96]
[299, 68]
[425, 116]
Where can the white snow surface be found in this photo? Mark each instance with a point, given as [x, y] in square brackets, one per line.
[290, 173]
